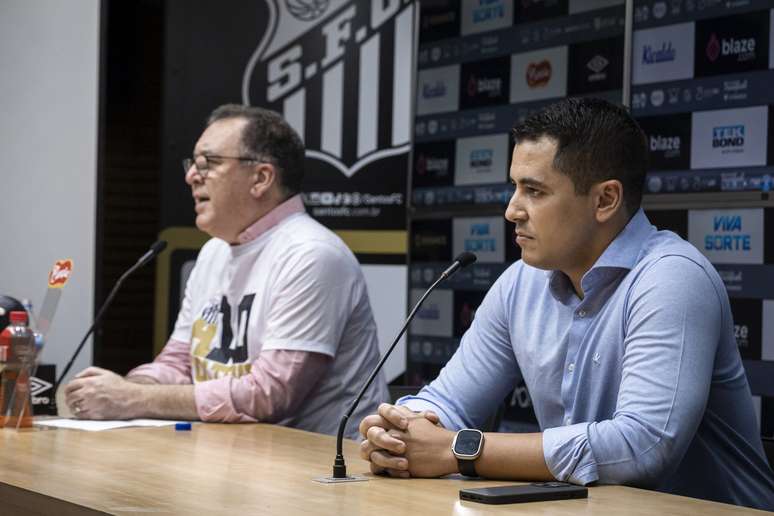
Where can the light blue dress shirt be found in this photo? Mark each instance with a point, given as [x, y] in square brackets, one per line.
[639, 383]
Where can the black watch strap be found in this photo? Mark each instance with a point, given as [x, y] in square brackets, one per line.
[467, 467]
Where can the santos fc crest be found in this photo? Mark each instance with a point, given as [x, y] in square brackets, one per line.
[340, 72]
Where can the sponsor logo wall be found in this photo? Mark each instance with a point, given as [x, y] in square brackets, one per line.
[433, 164]
[580, 6]
[728, 236]
[767, 346]
[747, 315]
[485, 15]
[536, 10]
[439, 19]
[669, 141]
[431, 240]
[540, 74]
[663, 54]
[434, 318]
[729, 138]
[732, 44]
[484, 236]
[771, 39]
[484, 83]
[595, 66]
[481, 160]
[438, 89]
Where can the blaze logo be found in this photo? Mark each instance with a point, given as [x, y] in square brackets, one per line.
[539, 74]
[713, 48]
[319, 64]
[60, 273]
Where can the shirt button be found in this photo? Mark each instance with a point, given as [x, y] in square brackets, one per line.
[571, 367]
[581, 313]
[567, 421]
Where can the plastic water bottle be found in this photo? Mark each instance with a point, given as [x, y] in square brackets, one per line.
[17, 361]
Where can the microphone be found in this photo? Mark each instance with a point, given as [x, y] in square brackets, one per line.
[154, 250]
[339, 466]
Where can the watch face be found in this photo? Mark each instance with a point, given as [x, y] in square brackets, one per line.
[468, 443]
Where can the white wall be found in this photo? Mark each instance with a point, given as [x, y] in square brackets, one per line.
[386, 286]
[48, 142]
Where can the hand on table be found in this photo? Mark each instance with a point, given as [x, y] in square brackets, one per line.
[97, 393]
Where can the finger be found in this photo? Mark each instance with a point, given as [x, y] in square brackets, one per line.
[387, 461]
[377, 470]
[365, 449]
[393, 415]
[379, 438]
[91, 371]
[431, 416]
[373, 420]
[396, 473]
[72, 387]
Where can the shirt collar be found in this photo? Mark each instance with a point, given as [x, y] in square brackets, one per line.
[278, 214]
[621, 254]
[624, 250]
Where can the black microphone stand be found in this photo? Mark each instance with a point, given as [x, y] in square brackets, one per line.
[339, 466]
[147, 257]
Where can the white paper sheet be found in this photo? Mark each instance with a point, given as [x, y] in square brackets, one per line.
[96, 426]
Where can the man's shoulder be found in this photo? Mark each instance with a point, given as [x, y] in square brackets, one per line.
[668, 259]
[665, 244]
[302, 236]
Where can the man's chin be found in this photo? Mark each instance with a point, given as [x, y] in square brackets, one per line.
[534, 261]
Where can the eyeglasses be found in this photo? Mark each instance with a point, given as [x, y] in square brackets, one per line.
[204, 163]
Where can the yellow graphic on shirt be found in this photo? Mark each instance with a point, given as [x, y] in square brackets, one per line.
[203, 368]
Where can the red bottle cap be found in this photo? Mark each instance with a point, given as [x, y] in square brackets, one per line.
[18, 316]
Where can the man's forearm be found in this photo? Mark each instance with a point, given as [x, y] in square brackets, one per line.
[513, 457]
[166, 402]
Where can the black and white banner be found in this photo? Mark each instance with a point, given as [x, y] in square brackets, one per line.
[341, 72]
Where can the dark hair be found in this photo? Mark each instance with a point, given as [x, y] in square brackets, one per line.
[596, 141]
[267, 136]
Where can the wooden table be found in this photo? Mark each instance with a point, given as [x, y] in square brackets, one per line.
[251, 469]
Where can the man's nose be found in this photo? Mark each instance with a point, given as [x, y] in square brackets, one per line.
[515, 212]
[192, 175]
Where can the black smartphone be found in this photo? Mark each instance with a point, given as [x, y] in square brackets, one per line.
[538, 492]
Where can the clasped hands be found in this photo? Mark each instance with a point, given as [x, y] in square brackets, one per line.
[403, 444]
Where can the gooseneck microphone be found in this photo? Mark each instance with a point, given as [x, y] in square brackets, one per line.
[154, 250]
[339, 466]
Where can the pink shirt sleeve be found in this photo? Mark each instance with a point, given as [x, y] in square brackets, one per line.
[278, 382]
[171, 367]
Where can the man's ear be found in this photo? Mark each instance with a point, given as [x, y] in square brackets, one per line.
[264, 177]
[609, 199]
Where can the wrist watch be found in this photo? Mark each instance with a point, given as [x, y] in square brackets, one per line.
[467, 447]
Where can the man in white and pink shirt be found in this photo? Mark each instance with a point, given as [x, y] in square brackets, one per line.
[275, 324]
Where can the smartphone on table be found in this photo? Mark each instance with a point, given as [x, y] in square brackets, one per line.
[537, 492]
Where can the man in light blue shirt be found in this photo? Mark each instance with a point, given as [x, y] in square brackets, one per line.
[623, 335]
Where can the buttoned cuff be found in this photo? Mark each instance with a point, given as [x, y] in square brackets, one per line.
[568, 455]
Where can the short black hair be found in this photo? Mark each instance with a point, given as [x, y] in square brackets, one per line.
[596, 141]
[267, 136]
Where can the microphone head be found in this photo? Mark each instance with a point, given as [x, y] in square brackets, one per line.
[465, 259]
[162, 244]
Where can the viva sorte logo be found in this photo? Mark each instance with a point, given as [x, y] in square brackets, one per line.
[303, 67]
